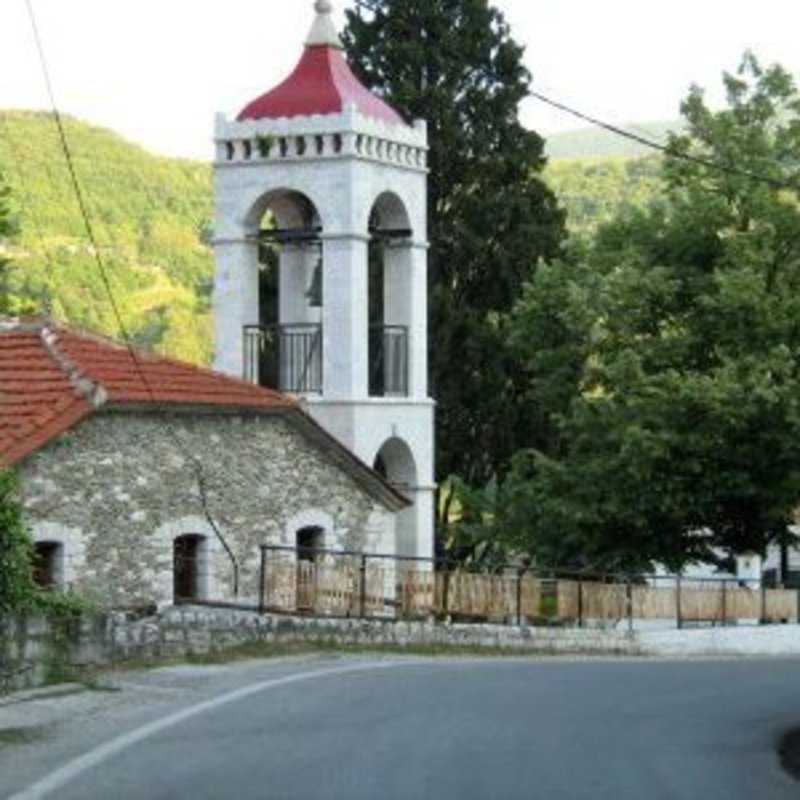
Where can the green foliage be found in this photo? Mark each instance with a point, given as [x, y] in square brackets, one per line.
[17, 590]
[491, 217]
[150, 215]
[675, 417]
[594, 191]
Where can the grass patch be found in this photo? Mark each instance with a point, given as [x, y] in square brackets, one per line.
[17, 736]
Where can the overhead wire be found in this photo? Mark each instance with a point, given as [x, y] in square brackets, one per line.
[123, 330]
[648, 142]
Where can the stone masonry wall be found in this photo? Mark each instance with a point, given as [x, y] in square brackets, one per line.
[36, 651]
[117, 490]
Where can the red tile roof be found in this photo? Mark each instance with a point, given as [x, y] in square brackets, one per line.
[52, 377]
[322, 83]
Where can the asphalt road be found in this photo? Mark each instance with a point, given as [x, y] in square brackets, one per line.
[456, 730]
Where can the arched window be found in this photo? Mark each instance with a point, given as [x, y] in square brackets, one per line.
[284, 351]
[390, 299]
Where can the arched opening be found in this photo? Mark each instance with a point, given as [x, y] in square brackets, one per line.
[390, 297]
[396, 463]
[189, 556]
[309, 542]
[48, 565]
[284, 351]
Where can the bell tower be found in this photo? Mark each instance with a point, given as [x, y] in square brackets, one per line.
[326, 184]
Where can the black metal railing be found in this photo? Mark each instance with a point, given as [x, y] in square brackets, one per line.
[388, 361]
[284, 357]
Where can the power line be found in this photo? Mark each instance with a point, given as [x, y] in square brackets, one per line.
[82, 205]
[653, 145]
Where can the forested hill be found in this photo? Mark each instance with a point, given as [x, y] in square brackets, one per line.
[152, 217]
[596, 142]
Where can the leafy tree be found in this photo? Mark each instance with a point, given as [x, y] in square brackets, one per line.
[6, 230]
[491, 218]
[677, 412]
[17, 591]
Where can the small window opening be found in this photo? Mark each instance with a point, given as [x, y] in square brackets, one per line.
[230, 151]
[248, 149]
[320, 140]
[359, 144]
[284, 145]
[300, 142]
[337, 143]
[309, 542]
[186, 554]
[45, 565]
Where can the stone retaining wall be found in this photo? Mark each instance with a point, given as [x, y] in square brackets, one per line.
[37, 651]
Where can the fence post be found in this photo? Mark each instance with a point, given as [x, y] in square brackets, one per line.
[520, 574]
[262, 581]
[446, 592]
[629, 600]
[763, 602]
[580, 603]
[363, 597]
[724, 602]
[678, 601]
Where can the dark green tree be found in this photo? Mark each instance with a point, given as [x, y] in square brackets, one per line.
[455, 64]
[680, 430]
[17, 591]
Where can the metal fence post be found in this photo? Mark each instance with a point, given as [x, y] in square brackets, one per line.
[262, 581]
[446, 591]
[724, 602]
[678, 613]
[629, 600]
[363, 598]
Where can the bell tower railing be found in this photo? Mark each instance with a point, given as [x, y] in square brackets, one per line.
[388, 356]
[284, 357]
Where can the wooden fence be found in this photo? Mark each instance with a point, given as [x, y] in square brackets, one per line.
[359, 586]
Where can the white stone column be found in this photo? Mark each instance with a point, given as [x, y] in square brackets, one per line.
[345, 318]
[235, 301]
[418, 324]
[415, 525]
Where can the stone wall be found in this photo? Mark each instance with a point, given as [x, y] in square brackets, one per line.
[116, 491]
[37, 651]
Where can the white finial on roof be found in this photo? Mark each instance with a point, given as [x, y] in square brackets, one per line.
[323, 31]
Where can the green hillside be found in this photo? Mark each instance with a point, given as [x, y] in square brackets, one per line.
[152, 220]
[594, 190]
[596, 142]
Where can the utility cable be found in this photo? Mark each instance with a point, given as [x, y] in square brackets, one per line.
[90, 232]
[653, 145]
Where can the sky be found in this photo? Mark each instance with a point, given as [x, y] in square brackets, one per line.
[157, 71]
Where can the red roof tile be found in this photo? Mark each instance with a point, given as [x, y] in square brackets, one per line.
[52, 377]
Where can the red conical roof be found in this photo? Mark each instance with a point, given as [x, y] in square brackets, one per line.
[322, 83]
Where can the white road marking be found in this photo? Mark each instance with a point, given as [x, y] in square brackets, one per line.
[93, 758]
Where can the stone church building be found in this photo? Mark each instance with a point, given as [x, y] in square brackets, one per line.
[120, 461]
[144, 479]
